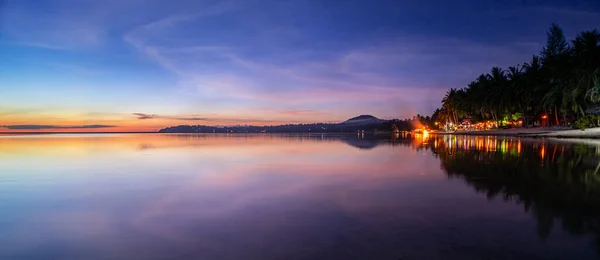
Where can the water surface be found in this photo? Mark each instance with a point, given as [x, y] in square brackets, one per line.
[157, 196]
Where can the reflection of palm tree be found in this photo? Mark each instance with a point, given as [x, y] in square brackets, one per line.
[559, 185]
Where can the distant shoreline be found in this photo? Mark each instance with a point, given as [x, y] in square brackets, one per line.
[551, 132]
[548, 132]
[236, 133]
[62, 133]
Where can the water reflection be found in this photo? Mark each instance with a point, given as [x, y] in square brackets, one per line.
[557, 182]
[263, 196]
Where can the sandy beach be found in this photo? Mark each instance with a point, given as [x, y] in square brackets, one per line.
[555, 132]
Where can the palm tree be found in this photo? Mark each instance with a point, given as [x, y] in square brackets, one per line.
[555, 60]
[527, 91]
[514, 76]
[556, 44]
[449, 103]
[481, 94]
[498, 83]
[586, 52]
[562, 79]
[460, 103]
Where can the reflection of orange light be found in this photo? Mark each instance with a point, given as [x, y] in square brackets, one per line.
[543, 152]
[425, 136]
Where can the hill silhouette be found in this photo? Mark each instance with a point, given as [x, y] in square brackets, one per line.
[362, 117]
[367, 123]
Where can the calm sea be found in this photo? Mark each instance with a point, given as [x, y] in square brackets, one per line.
[152, 196]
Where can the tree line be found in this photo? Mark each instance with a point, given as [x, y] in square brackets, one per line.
[561, 83]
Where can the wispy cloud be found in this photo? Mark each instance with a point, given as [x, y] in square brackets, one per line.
[219, 120]
[66, 25]
[143, 116]
[385, 69]
[41, 45]
[79, 69]
[302, 113]
[233, 52]
[18, 111]
[54, 33]
[42, 127]
[571, 11]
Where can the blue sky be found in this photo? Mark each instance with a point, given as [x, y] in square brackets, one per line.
[99, 62]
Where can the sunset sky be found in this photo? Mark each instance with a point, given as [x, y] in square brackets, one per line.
[141, 65]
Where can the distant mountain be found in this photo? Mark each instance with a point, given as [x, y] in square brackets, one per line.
[363, 120]
[363, 117]
[362, 123]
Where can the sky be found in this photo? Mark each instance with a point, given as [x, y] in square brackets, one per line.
[141, 65]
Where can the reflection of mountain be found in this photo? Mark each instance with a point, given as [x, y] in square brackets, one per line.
[361, 143]
[556, 183]
[358, 141]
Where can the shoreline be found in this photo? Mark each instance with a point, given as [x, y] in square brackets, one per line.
[550, 132]
[546, 132]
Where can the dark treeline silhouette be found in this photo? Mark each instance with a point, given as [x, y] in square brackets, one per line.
[290, 128]
[344, 127]
[559, 184]
[382, 126]
[562, 83]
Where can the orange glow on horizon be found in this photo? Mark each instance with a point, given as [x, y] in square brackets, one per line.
[132, 124]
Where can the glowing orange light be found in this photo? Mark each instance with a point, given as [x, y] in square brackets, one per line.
[544, 116]
[543, 152]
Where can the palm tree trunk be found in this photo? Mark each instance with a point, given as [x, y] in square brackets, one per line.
[455, 117]
[556, 115]
[524, 119]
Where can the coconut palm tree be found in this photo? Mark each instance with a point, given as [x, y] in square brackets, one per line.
[586, 52]
[562, 79]
[527, 91]
[498, 83]
[555, 60]
[449, 104]
[513, 89]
